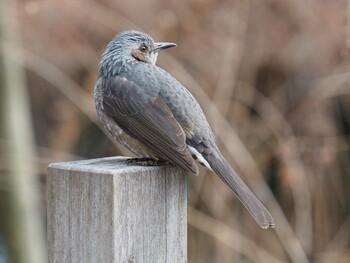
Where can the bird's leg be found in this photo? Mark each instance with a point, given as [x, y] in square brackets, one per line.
[147, 161]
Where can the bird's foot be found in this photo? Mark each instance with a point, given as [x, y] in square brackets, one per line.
[147, 161]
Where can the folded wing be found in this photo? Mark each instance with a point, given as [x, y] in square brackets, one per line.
[147, 118]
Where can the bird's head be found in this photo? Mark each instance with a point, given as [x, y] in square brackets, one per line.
[139, 46]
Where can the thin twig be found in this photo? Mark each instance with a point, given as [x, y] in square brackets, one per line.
[230, 237]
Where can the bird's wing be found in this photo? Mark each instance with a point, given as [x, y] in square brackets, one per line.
[148, 119]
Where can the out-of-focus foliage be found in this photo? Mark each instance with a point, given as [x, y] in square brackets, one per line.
[272, 77]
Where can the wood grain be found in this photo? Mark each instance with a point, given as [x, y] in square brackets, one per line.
[103, 210]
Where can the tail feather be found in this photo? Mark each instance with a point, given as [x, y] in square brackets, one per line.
[244, 194]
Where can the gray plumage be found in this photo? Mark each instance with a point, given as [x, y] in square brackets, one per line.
[155, 116]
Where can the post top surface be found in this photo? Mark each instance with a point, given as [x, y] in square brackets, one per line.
[104, 165]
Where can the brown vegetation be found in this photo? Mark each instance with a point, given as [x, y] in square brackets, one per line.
[272, 77]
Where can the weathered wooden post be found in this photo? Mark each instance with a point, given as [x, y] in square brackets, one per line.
[103, 210]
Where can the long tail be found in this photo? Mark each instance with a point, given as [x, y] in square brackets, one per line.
[231, 178]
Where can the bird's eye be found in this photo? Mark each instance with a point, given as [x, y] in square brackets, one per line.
[143, 48]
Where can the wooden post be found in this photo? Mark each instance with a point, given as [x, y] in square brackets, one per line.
[103, 210]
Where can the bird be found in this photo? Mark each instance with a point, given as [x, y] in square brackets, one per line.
[153, 115]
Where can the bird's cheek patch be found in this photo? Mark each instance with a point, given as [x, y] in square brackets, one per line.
[137, 54]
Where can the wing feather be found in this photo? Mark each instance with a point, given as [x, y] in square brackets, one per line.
[148, 119]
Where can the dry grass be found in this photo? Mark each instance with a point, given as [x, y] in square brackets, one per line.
[273, 79]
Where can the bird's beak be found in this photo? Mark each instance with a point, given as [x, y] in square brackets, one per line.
[163, 45]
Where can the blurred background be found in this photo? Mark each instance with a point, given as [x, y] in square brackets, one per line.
[271, 75]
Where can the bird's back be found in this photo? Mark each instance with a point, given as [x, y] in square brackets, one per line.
[186, 109]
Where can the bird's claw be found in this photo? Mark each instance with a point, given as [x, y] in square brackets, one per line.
[147, 161]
